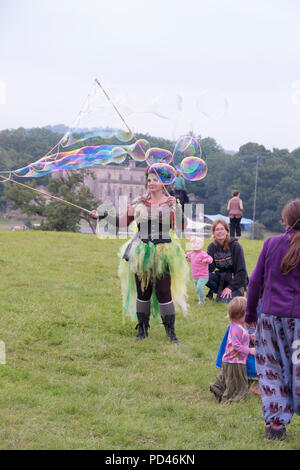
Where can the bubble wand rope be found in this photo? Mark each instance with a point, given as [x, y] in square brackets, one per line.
[128, 128]
[43, 193]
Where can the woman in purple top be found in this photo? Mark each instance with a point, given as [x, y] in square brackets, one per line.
[277, 338]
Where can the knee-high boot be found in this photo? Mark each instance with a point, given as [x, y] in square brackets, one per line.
[143, 316]
[167, 313]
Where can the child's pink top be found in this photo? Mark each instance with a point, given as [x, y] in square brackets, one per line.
[199, 269]
[238, 340]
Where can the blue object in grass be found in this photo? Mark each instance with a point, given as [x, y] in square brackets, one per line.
[250, 330]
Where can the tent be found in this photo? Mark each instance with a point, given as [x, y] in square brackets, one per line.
[246, 223]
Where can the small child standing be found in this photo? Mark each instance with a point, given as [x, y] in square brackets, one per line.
[199, 260]
[232, 385]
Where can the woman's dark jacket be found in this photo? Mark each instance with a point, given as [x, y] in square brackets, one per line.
[230, 265]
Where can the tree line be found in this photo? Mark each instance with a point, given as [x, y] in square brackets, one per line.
[278, 176]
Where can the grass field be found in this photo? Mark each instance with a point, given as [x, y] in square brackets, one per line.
[75, 378]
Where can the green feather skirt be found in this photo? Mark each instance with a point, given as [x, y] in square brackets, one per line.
[151, 262]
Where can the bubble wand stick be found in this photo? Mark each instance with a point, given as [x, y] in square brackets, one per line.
[43, 193]
[115, 108]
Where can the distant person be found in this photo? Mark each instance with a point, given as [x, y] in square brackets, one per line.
[227, 273]
[179, 186]
[277, 351]
[200, 261]
[171, 190]
[235, 209]
[232, 385]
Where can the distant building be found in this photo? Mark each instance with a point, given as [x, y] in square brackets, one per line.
[112, 181]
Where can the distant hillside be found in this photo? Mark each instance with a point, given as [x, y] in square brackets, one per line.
[59, 128]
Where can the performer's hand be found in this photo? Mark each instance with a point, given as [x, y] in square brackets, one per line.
[252, 351]
[172, 201]
[226, 293]
[94, 214]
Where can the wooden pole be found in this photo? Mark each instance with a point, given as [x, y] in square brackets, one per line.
[255, 192]
[43, 193]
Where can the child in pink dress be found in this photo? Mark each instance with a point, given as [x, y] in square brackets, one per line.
[199, 260]
[232, 385]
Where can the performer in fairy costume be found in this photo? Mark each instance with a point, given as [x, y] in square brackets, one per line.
[153, 270]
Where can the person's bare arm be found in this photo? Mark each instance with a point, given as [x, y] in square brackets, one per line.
[123, 221]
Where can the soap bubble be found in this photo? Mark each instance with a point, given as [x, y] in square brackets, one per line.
[167, 105]
[165, 172]
[98, 118]
[186, 146]
[213, 104]
[187, 159]
[193, 168]
[157, 155]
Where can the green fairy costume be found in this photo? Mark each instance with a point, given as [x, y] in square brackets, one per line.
[153, 270]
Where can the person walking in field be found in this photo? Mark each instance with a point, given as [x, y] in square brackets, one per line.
[235, 209]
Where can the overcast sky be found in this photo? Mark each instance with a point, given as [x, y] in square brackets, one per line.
[246, 53]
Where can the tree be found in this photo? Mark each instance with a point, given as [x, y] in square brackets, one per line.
[209, 146]
[278, 176]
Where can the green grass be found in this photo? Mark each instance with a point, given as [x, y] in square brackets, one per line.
[75, 377]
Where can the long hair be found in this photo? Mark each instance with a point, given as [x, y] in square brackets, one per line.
[227, 239]
[291, 217]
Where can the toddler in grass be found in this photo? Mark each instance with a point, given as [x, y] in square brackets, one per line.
[199, 260]
[232, 385]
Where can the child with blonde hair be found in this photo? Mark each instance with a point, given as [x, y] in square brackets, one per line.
[232, 385]
[199, 260]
